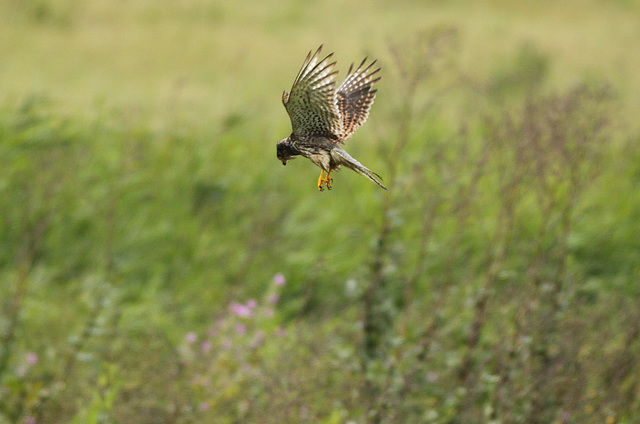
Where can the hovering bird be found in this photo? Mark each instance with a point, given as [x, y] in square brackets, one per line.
[322, 118]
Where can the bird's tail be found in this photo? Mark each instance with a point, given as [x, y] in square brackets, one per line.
[346, 160]
[370, 174]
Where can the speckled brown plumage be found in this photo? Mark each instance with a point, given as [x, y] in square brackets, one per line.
[355, 97]
[322, 117]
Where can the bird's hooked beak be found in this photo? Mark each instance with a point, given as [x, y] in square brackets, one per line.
[284, 162]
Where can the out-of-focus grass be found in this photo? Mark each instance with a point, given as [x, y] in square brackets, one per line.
[141, 203]
[199, 59]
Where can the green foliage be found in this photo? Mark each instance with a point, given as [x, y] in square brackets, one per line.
[145, 241]
[103, 398]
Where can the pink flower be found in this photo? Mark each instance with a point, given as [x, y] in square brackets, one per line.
[273, 298]
[191, 337]
[241, 310]
[279, 279]
[251, 303]
[32, 358]
[205, 346]
[204, 406]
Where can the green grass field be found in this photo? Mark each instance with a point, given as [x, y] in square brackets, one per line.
[159, 265]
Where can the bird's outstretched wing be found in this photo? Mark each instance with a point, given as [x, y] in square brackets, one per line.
[312, 104]
[355, 97]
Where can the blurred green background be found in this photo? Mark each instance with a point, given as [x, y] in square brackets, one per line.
[159, 265]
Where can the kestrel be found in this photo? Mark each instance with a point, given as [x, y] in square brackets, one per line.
[322, 118]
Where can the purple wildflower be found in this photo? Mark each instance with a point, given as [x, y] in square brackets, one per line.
[191, 337]
[273, 298]
[32, 358]
[251, 303]
[205, 346]
[241, 310]
[279, 279]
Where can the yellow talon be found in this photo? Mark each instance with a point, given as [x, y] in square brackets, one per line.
[326, 180]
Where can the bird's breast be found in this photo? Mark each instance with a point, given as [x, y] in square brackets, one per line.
[317, 150]
[321, 159]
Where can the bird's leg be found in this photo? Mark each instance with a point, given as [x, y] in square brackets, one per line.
[320, 180]
[326, 180]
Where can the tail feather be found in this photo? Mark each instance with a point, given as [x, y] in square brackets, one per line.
[343, 158]
[368, 173]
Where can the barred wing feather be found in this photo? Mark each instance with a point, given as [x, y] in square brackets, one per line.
[312, 104]
[355, 97]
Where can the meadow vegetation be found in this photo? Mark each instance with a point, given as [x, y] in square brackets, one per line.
[159, 265]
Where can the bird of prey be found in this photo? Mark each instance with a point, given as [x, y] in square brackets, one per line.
[322, 118]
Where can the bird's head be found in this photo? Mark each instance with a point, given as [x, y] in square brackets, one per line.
[285, 150]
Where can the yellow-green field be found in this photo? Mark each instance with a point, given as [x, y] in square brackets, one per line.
[207, 57]
[159, 265]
